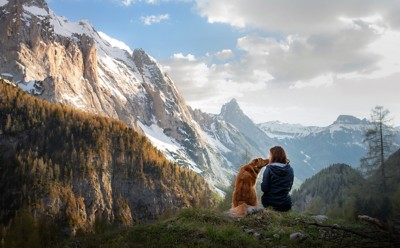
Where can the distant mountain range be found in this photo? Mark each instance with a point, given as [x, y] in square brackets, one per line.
[314, 148]
[73, 64]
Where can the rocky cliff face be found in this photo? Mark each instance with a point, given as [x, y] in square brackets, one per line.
[232, 113]
[82, 68]
[32, 50]
[234, 134]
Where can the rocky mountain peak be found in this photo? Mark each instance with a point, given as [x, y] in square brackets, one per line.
[141, 57]
[231, 108]
[37, 3]
[349, 119]
[233, 114]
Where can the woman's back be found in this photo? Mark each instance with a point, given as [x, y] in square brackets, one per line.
[277, 181]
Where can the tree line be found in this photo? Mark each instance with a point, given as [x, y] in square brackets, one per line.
[47, 149]
[372, 189]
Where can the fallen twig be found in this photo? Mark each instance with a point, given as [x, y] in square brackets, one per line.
[373, 221]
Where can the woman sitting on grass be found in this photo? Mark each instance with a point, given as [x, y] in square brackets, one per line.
[277, 181]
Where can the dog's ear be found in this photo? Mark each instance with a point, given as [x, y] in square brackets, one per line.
[261, 163]
[254, 161]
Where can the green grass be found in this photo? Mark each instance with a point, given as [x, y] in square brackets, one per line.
[208, 228]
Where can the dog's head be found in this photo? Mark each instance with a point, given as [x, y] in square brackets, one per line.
[258, 163]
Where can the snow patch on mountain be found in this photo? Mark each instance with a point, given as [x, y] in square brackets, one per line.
[349, 125]
[119, 78]
[115, 43]
[279, 130]
[3, 2]
[307, 159]
[217, 143]
[114, 48]
[63, 27]
[34, 10]
[105, 44]
[32, 87]
[168, 145]
[223, 132]
[159, 139]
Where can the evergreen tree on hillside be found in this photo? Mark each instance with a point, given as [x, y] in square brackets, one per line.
[328, 192]
[379, 139]
[52, 153]
[376, 192]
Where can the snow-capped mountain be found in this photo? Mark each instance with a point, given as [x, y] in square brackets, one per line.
[74, 64]
[280, 131]
[232, 113]
[313, 148]
[236, 137]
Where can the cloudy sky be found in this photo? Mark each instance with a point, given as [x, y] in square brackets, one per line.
[296, 61]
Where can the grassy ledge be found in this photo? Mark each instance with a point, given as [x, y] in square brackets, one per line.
[209, 228]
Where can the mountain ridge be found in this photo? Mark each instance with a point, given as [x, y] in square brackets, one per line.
[102, 171]
[312, 148]
[73, 64]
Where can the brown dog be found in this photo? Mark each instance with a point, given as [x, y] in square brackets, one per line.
[244, 194]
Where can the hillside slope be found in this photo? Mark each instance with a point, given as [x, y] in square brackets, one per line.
[76, 168]
[320, 192]
[342, 191]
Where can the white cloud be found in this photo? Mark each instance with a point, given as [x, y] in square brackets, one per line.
[302, 16]
[387, 48]
[189, 57]
[224, 54]
[149, 20]
[127, 2]
[208, 86]
[317, 100]
[305, 57]
[311, 37]
[320, 81]
[322, 57]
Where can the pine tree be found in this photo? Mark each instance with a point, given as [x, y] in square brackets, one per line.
[379, 139]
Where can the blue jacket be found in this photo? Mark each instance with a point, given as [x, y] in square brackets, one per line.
[276, 185]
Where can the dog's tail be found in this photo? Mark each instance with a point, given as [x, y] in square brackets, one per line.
[243, 210]
[239, 211]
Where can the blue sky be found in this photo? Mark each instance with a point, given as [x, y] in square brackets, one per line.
[296, 61]
[181, 30]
